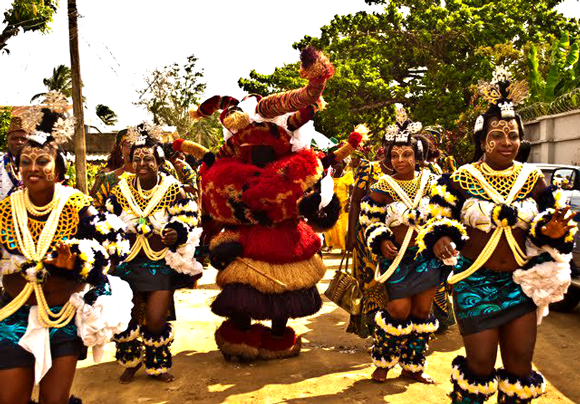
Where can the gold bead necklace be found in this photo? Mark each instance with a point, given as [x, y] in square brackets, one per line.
[147, 194]
[508, 172]
[40, 211]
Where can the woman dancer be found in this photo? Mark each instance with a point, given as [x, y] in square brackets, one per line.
[364, 261]
[515, 237]
[118, 163]
[390, 218]
[161, 224]
[53, 244]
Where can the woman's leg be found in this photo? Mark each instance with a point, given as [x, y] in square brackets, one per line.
[392, 327]
[129, 347]
[474, 378]
[413, 352]
[517, 340]
[518, 382]
[16, 385]
[158, 335]
[56, 384]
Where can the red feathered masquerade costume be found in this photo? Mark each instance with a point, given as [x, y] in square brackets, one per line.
[263, 188]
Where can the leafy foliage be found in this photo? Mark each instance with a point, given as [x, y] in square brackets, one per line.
[61, 81]
[207, 132]
[427, 55]
[28, 15]
[5, 118]
[170, 92]
[563, 71]
[92, 171]
[106, 115]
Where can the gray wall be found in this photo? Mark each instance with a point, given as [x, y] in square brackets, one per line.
[555, 139]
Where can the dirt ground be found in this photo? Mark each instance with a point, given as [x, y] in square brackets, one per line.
[334, 366]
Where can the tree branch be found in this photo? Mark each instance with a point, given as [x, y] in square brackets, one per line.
[379, 104]
[6, 34]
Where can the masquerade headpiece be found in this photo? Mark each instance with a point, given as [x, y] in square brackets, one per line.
[61, 130]
[403, 129]
[140, 134]
[502, 92]
[291, 111]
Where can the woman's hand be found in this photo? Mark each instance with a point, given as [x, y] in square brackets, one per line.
[388, 249]
[168, 237]
[559, 224]
[64, 257]
[444, 248]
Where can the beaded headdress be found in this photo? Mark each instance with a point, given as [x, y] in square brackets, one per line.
[63, 128]
[138, 135]
[502, 91]
[403, 129]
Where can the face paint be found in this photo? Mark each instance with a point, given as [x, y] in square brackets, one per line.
[34, 158]
[144, 156]
[402, 157]
[501, 130]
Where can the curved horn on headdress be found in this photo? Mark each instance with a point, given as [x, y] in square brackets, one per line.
[317, 69]
[303, 115]
[213, 104]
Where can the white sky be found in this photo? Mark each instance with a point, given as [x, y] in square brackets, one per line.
[120, 41]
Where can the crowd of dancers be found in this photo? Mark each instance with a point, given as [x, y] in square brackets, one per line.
[80, 271]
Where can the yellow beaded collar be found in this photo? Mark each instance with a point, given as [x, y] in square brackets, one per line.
[501, 181]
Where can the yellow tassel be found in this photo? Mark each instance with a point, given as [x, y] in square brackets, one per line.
[194, 149]
[236, 121]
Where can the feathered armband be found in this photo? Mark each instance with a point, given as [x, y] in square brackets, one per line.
[445, 201]
[437, 228]
[375, 234]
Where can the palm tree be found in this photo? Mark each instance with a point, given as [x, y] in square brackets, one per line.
[61, 81]
[106, 114]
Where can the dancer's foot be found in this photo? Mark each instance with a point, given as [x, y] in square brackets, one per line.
[128, 374]
[164, 377]
[420, 376]
[380, 375]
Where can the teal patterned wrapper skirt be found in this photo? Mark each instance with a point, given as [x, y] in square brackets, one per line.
[487, 299]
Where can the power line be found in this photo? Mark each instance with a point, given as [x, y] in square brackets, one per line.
[99, 56]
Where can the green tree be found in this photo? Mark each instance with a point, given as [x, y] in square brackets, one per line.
[28, 15]
[427, 55]
[106, 115]
[563, 70]
[170, 92]
[61, 81]
[207, 132]
[5, 118]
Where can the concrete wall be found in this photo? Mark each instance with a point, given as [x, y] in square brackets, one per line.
[555, 139]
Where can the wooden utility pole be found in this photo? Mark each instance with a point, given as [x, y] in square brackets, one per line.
[77, 96]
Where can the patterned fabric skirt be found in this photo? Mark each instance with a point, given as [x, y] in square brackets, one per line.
[487, 299]
[63, 341]
[374, 295]
[413, 275]
[145, 275]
